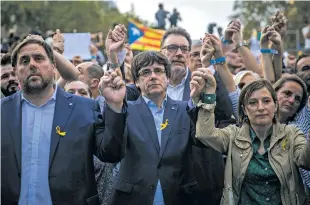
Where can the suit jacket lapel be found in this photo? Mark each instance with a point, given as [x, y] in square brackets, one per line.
[15, 130]
[148, 121]
[187, 92]
[63, 110]
[170, 114]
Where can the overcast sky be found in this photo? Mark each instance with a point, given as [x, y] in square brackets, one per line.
[196, 14]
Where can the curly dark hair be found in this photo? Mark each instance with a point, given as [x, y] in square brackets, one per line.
[147, 58]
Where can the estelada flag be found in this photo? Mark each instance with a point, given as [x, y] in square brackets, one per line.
[143, 38]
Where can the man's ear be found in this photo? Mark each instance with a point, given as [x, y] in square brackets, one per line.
[94, 83]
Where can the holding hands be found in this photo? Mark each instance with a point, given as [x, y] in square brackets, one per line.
[113, 89]
[270, 35]
[202, 79]
[115, 39]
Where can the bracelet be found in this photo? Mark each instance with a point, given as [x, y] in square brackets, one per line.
[226, 41]
[208, 98]
[269, 51]
[216, 61]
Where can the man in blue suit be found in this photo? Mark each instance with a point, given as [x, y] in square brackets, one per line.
[48, 137]
[156, 168]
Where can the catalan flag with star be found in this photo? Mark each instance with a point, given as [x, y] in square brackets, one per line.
[143, 38]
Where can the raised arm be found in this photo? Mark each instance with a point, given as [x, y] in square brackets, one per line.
[279, 23]
[248, 58]
[267, 65]
[223, 110]
[66, 69]
[222, 69]
[203, 87]
[111, 138]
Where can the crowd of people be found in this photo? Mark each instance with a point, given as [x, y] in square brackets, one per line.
[202, 121]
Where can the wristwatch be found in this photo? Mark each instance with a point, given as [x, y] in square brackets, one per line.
[243, 43]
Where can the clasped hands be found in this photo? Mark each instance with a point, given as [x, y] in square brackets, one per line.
[202, 79]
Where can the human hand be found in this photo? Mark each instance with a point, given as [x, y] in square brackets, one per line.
[113, 89]
[207, 51]
[58, 42]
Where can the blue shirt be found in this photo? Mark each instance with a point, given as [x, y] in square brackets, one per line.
[36, 139]
[176, 93]
[158, 115]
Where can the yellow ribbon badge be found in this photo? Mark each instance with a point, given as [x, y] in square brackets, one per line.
[284, 143]
[59, 132]
[164, 125]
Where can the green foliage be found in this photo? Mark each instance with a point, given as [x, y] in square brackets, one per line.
[84, 16]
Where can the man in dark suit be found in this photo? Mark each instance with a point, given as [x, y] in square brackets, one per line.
[208, 165]
[48, 137]
[156, 167]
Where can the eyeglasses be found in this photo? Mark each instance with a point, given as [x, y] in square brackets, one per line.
[306, 67]
[148, 72]
[174, 48]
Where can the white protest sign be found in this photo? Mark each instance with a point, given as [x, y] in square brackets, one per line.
[77, 44]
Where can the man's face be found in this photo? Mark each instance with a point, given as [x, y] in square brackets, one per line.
[235, 60]
[304, 64]
[78, 88]
[176, 49]
[83, 75]
[152, 81]
[34, 69]
[194, 58]
[291, 59]
[9, 83]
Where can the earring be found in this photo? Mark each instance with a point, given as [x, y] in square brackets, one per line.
[246, 118]
[275, 117]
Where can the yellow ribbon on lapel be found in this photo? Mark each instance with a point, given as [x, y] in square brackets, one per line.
[59, 132]
[284, 143]
[164, 125]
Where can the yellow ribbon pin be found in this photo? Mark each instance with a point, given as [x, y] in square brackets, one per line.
[284, 143]
[59, 132]
[164, 125]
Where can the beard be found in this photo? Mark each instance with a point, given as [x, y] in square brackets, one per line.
[38, 87]
[10, 89]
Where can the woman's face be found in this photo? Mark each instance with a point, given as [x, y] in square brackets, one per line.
[260, 107]
[289, 97]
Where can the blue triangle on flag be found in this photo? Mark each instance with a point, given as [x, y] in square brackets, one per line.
[134, 33]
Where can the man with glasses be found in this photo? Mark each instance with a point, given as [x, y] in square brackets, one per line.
[156, 168]
[208, 165]
[176, 45]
